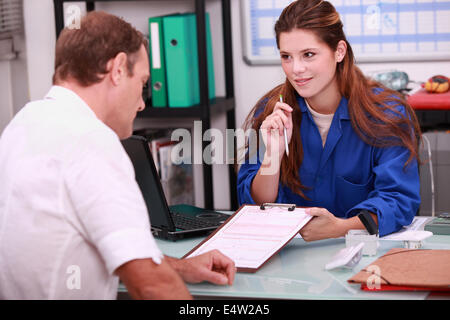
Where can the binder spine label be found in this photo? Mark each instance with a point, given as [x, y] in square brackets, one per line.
[156, 51]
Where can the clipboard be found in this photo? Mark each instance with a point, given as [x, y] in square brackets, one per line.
[253, 234]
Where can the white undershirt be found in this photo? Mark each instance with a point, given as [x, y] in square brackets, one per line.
[323, 122]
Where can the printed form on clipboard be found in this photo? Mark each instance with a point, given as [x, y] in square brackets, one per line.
[252, 235]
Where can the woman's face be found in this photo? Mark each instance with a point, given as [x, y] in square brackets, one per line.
[309, 64]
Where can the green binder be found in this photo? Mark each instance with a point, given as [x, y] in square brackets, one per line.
[157, 62]
[181, 56]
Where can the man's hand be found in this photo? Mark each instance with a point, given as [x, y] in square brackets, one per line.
[211, 266]
[323, 225]
[145, 279]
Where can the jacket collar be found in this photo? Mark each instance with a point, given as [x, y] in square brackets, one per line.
[68, 96]
[341, 111]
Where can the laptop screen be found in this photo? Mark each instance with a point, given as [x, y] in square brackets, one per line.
[148, 180]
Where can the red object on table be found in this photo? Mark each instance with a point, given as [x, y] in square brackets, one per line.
[385, 287]
[423, 100]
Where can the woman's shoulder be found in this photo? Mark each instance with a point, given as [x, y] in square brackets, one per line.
[392, 102]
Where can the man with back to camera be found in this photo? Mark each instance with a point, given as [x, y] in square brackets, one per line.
[72, 217]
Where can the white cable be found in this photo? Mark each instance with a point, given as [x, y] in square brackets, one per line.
[431, 174]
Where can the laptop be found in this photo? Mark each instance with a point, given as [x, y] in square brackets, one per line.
[168, 222]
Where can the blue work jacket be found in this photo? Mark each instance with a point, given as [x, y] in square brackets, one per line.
[347, 175]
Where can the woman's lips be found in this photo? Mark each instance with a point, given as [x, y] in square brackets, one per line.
[302, 81]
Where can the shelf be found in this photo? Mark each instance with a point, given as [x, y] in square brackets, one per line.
[206, 109]
[217, 106]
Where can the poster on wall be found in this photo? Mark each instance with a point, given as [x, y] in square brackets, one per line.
[378, 31]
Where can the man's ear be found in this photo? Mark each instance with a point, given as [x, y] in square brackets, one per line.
[341, 51]
[118, 68]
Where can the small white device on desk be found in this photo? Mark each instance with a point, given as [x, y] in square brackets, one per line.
[355, 237]
[412, 239]
[346, 258]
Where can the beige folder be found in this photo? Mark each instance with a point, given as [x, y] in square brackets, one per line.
[408, 269]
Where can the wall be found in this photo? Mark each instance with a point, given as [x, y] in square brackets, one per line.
[40, 42]
[6, 103]
[13, 78]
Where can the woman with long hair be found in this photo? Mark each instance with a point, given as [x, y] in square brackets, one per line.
[352, 143]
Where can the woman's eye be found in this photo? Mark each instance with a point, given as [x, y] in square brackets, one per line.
[309, 54]
[285, 57]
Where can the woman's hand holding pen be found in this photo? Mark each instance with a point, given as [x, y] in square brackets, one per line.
[272, 130]
[265, 184]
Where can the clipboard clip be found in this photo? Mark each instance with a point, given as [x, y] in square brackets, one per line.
[290, 207]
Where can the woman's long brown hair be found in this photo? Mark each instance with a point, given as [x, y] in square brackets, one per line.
[373, 108]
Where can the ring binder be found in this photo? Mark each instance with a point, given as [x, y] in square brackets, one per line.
[291, 207]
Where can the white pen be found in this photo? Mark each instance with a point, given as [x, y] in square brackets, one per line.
[285, 133]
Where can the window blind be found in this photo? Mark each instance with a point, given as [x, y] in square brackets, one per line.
[11, 18]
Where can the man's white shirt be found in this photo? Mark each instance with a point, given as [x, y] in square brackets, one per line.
[71, 211]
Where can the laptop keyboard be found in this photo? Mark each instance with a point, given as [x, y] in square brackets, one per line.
[186, 222]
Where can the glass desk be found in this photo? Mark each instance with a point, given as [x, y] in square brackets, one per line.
[298, 272]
